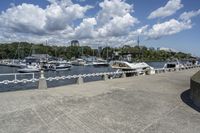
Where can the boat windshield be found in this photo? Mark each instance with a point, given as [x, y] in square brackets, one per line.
[119, 64]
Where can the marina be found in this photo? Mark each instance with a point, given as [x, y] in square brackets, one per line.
[106, 66]
[74, 70]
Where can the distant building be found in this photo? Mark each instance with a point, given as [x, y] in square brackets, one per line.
[151, 48]
[100, 50]
[167, 49]
[116, 55]
[74, 43]
[127, 57]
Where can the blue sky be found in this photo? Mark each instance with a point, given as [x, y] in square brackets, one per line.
[159, 23]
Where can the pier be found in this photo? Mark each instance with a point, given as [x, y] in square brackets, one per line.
[151, 103]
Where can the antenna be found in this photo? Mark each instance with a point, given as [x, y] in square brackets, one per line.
[138, 41]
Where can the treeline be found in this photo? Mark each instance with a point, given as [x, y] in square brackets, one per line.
[23, 49]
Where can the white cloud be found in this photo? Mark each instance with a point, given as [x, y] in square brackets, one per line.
[188, 15]
[62, 20]
[28, 22]
[59, 17]
[117, 26]
[114, 18]
[169, 9]
[61, 2]
[23, 18]
[86, 29]
[31, 18]
[111, 9]
[170, 27]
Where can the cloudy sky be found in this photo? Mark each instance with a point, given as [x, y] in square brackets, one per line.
[159, 23]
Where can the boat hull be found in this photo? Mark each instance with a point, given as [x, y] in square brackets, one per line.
[28, 70]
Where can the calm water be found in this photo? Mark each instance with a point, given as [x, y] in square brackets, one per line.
[74, 71]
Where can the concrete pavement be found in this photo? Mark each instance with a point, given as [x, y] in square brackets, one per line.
[131, 105]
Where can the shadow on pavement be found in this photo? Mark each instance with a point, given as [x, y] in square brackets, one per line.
[185, 96]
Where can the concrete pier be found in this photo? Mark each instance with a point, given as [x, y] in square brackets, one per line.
[195, 89]
[139, 104]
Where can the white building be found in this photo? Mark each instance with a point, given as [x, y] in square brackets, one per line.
[167, 49]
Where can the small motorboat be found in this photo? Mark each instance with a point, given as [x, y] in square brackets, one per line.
[30, 69]
[62, 65]
[57, 65]
[173, 64]
[100, 62]
[79, 62]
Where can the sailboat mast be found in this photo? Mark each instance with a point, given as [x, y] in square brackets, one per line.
[106, 51]
[46, 49]
[138, 43]
[18, 50]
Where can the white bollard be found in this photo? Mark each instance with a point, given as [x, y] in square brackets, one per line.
[42, 81]
[105, 77]
[80, 80]
[123, 75]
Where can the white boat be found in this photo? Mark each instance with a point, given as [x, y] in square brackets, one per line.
[192, 63]
[173, 64]
[12, 63]
[100, 62]
[79, 62]
[30, 69]
[63, 65]
[4, 62]
[126, 66]
[57, 65]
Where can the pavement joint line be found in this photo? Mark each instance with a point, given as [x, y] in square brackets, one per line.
[157, 120]
[34, 110]
[67, 115]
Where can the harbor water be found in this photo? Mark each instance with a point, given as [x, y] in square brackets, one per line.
[75, 70]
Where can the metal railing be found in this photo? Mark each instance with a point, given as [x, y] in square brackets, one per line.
[14, 78]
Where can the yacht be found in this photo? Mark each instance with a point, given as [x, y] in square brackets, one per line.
[126, 66]
[57, 65]
[79, 62]
[192, 63]
[173, 64]
[30, 68]
[100, 62]
[13, 63]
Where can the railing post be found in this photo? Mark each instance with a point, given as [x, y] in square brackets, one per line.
[42, 81]
[105, 77]
[15, 76]
[123, 75]
[156, 71]
[137, 74]
[80, 80]
[15, 80]
[33, 75]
